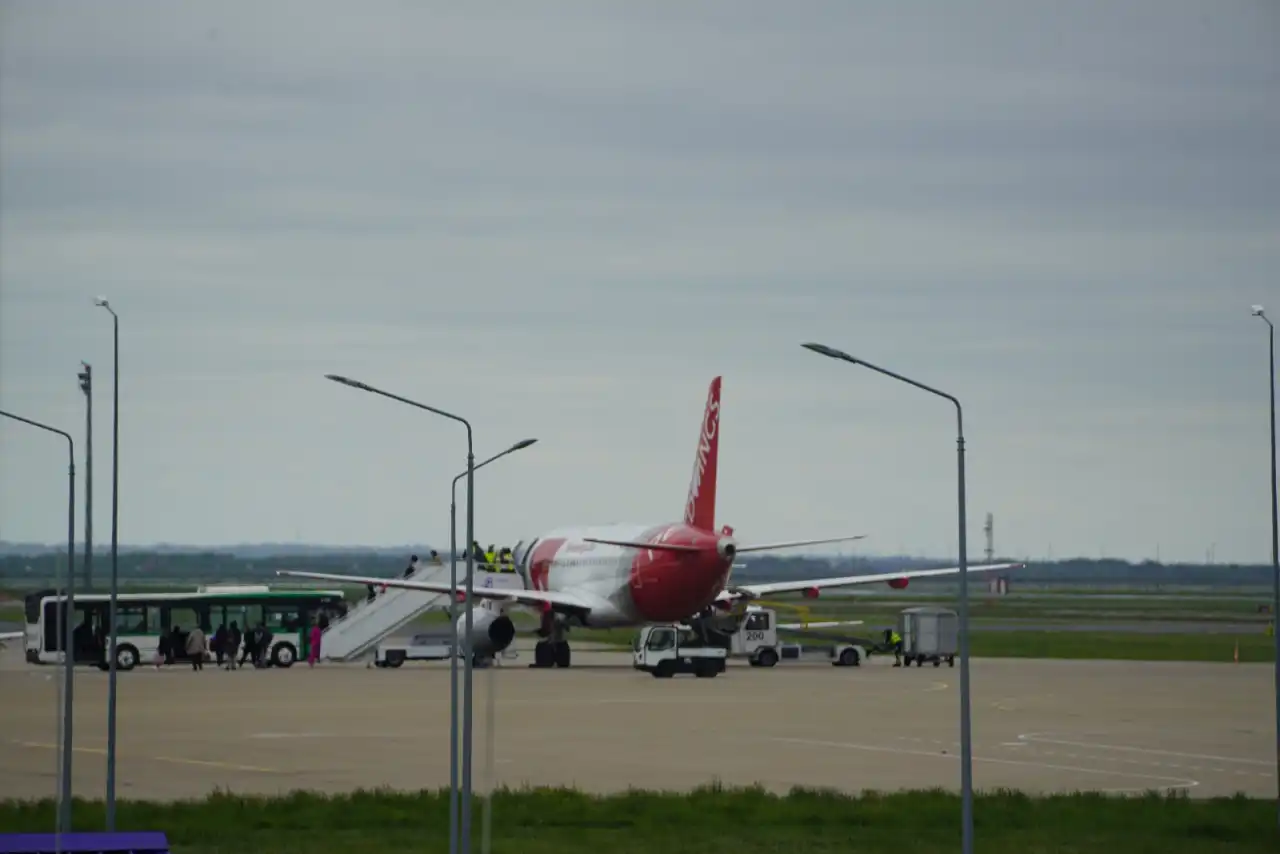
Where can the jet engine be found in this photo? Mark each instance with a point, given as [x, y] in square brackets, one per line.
[490, 633]
[899, 583]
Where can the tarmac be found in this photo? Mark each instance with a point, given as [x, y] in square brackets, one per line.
[1114, 726]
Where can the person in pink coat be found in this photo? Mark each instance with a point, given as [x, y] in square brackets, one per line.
[313, 655]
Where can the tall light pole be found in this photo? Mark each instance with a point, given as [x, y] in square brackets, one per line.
[966, 747]
[68, 659]
[453, 661]
[471, 461]
[101, 302]
[1258, 311]
[86, 386]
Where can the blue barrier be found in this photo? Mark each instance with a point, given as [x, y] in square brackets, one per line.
[129, 842]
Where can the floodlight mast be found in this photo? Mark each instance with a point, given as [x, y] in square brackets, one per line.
[966, 745]
[1259, 311]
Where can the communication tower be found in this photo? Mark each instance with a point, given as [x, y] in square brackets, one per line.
[990, 529]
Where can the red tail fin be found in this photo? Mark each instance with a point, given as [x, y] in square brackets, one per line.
[700, 507]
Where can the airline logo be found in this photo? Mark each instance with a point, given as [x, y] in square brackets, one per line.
[710, 424]
[540, 563]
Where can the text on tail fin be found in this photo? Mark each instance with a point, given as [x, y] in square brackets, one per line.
[700, 507]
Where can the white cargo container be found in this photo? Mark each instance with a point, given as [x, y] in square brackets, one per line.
[929, 634]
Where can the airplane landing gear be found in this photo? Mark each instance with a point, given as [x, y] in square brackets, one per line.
[551, 654]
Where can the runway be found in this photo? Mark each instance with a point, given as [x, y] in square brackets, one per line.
[1037, 725]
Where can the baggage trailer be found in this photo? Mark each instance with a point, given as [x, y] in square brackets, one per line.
[929, 634]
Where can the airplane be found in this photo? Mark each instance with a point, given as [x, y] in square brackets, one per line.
[629, 575]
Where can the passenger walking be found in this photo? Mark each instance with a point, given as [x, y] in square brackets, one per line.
[233, 644]
[196, 647]
[220, 642]
[250, 647]
[313, 654]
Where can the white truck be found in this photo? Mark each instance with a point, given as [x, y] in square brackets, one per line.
[665, 651]
[756, 640]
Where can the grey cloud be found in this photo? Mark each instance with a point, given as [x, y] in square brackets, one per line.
[577, 214]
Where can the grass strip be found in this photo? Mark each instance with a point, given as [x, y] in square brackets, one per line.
[744, 821]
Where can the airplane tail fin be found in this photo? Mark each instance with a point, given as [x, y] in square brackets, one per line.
[700, 507]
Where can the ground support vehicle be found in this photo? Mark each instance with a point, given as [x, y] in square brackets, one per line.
[428, 646]
[756, 640]
[665, 651]
[929, 634]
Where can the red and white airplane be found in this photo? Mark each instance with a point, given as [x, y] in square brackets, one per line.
[632, 575]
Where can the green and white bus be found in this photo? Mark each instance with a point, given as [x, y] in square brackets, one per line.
[144, 618]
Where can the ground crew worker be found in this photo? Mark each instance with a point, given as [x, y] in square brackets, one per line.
[896, 640]
[507, 561]
[491, 559]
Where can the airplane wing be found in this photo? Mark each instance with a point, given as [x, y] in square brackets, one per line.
[767, 547]
[10, 636]
[535, 598]
[753, 591]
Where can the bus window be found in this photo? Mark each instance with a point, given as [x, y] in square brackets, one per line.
[31, 605]
[155, 625]
[52, 639]
[89, 630]
[283, 618]
[183, 618]
[130, 619]
[238, 614]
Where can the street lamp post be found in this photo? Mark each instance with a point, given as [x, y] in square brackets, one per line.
[86, 386]
[465, 836]
[453, 660]
[68, 662]
[966, 747]
[1258, 311]
[101, 302]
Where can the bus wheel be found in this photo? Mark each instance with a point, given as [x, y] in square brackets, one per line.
[126, 657]
[283, 655]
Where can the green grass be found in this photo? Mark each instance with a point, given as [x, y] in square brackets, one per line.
[1122, 645]
[745, 821]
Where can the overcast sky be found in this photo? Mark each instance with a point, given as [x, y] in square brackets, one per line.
[561, 220]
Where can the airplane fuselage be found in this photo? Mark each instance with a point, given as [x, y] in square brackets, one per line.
[626, 586]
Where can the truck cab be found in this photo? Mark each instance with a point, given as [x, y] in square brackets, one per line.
[757, 639]
[667, 650]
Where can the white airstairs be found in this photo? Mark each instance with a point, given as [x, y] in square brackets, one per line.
[368, 623]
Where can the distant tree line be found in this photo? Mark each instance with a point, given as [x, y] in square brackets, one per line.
[140, 566]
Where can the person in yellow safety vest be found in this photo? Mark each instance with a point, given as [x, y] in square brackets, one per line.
[506, 561]
[491, 559]
[896, 640]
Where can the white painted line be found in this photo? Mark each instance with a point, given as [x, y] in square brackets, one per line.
[1037, 738]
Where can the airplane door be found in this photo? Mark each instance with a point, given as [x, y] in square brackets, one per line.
[521, 557]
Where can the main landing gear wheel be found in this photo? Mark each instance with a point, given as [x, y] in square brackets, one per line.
[551, 654]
